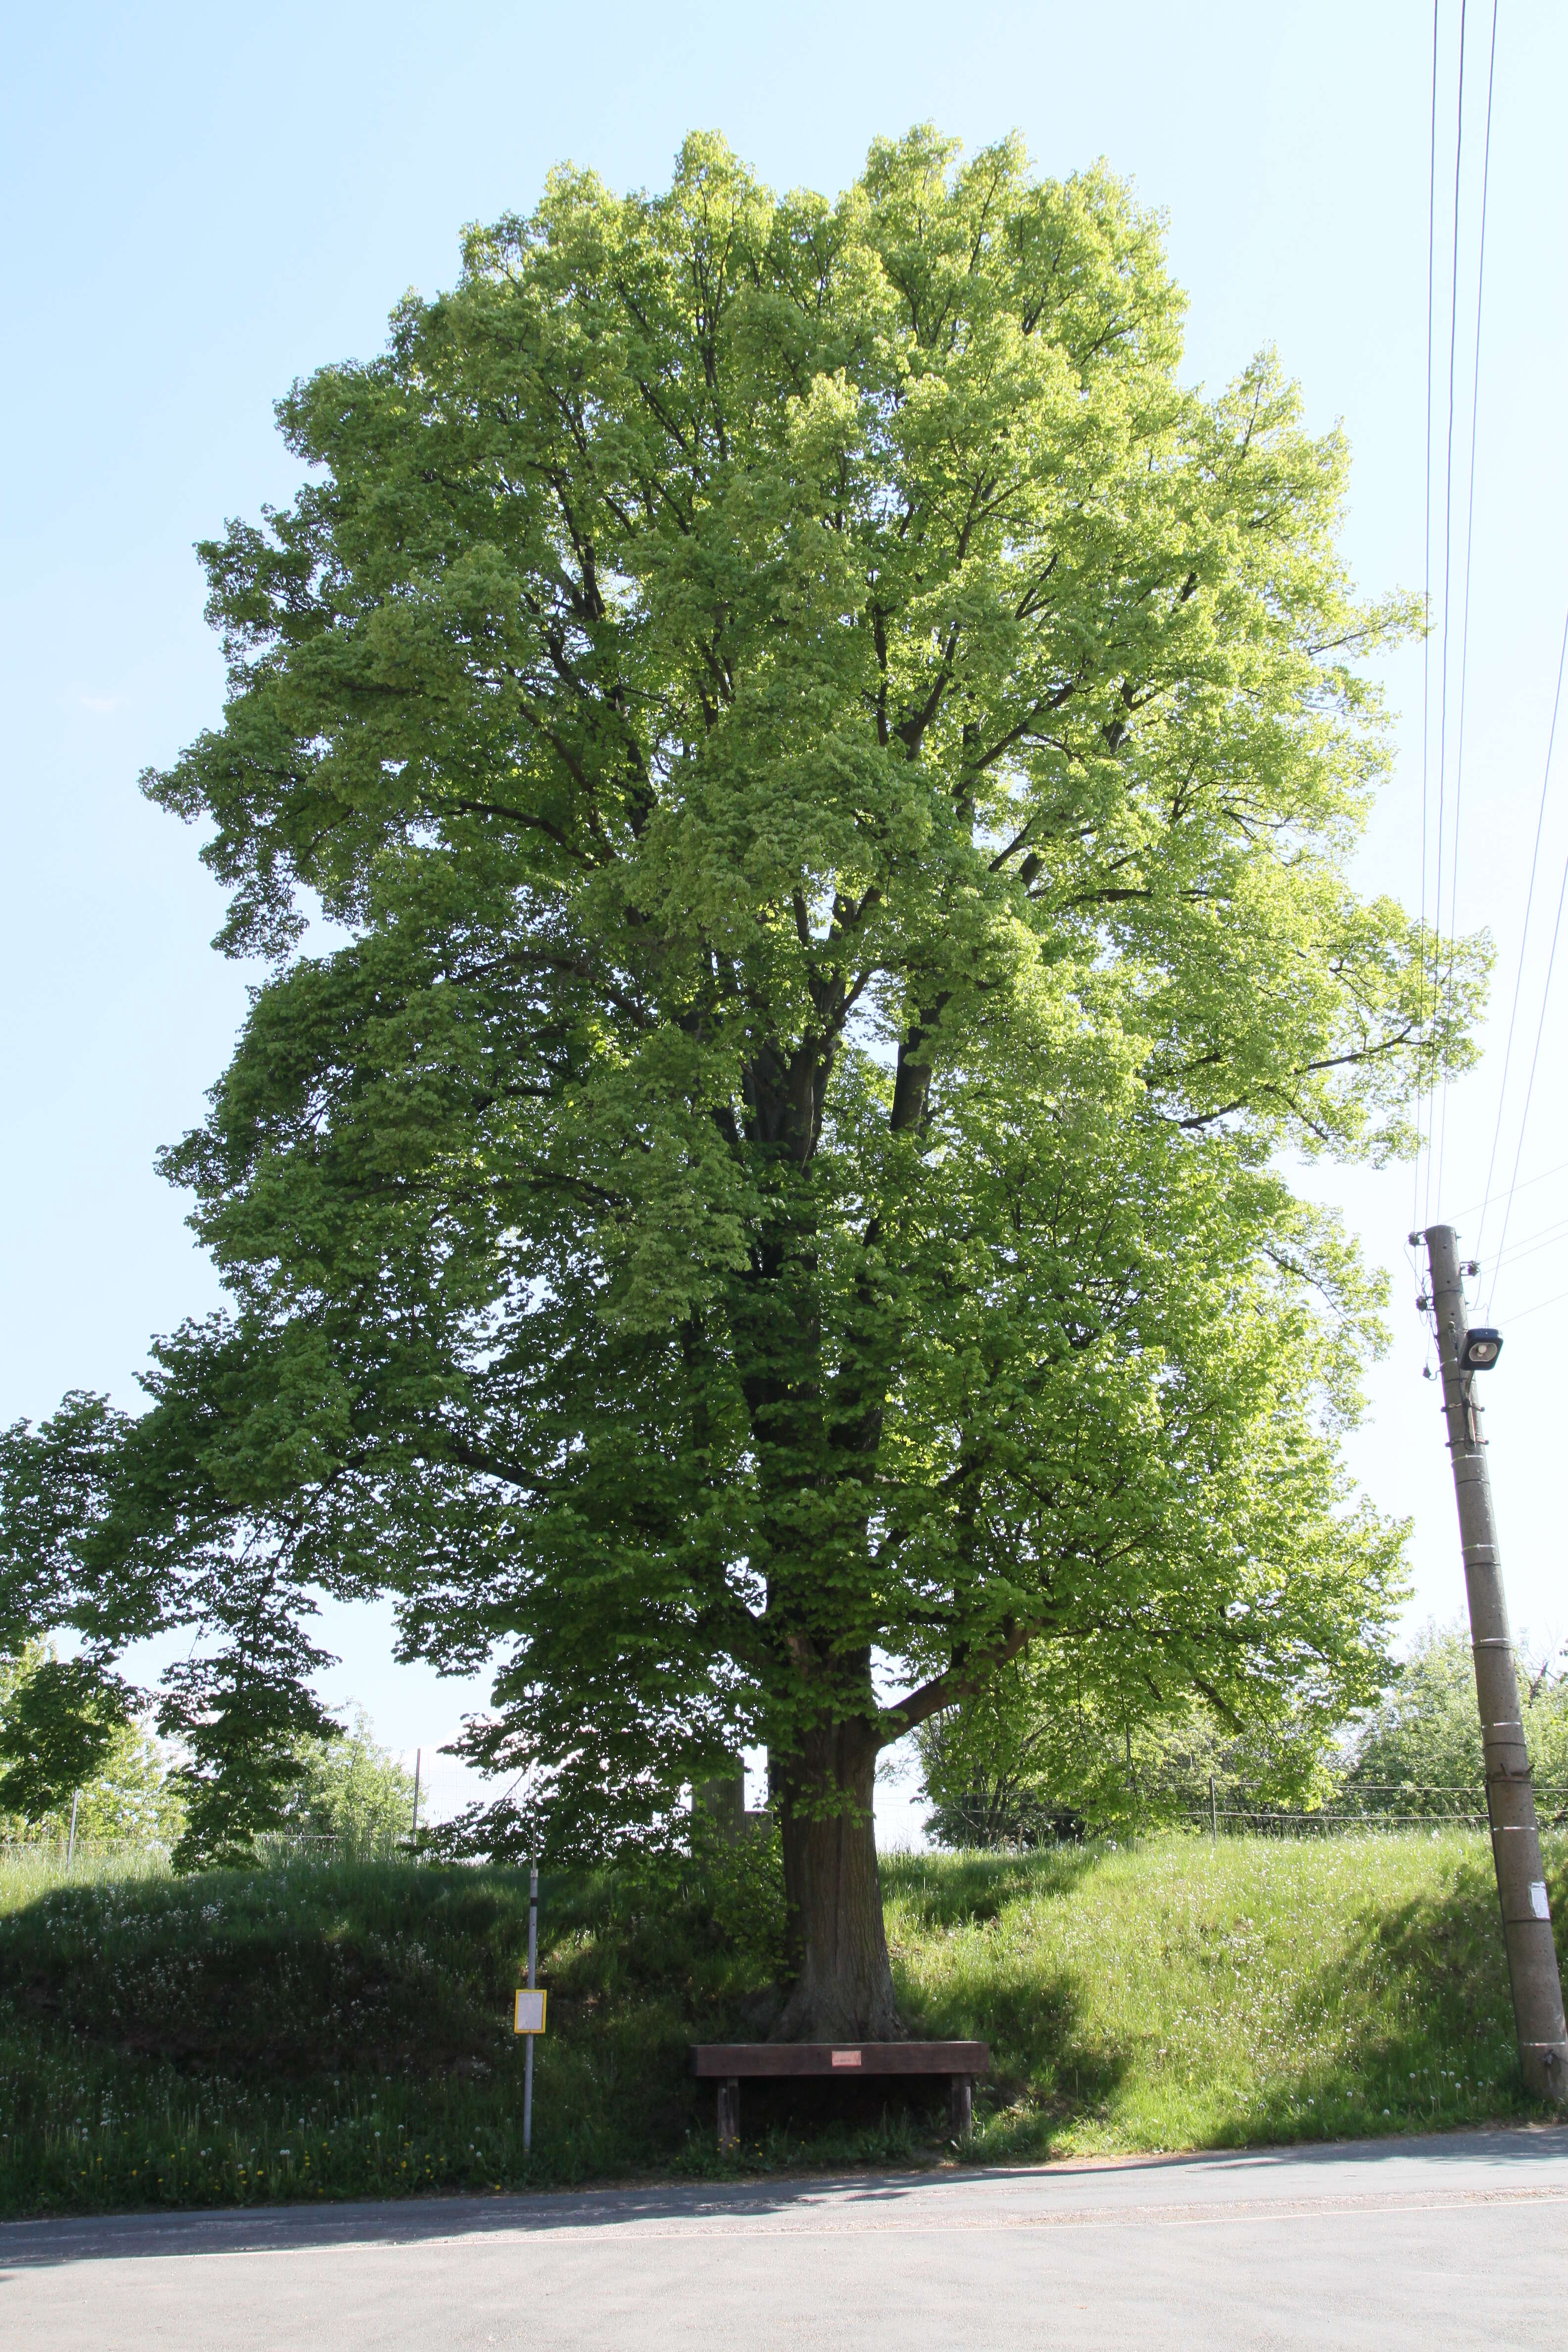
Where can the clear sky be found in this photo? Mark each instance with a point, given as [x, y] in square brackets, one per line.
[203, 204]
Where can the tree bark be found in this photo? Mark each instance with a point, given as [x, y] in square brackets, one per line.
[842, 1983]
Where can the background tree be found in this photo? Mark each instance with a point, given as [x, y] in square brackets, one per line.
[57, 1722]
[1054, 1749]
[135, 1798]
[1423, 1734]
[352, 1790]
[834, 771]
[66, 1733]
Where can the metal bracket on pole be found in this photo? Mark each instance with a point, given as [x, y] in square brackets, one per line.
[1537, 1986]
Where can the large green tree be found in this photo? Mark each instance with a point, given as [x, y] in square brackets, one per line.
[833, 774]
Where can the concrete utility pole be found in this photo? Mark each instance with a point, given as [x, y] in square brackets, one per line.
[1510, 1797]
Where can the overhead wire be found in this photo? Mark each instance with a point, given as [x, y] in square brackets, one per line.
[1518, 975]
[1539, 1306]
[1529, 1182]
[1540, 1025]
[1538, 1233]
[1426, 590]
[1448, 609]
[1469, 550]
[1548, 1238]
[1434, 982]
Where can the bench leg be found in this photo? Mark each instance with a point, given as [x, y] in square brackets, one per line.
[962, 2099]
[730, 2113]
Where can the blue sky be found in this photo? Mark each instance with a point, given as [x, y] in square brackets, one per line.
[204, 203]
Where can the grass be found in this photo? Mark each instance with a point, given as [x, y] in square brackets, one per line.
[1176, 1995]
[321, 2031]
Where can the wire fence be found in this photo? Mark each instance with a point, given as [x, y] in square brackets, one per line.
[279, 1846]
[1229, 1809]
[1371, 1806]
[273, 1849]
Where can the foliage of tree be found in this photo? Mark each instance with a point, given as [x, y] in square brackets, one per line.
[243, 1729]
[58, 1723]
[1051, 1749]
[122, 1529]
[67, 1732]
[835, 771]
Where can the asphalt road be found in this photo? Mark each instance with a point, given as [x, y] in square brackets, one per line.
[1461, 2240]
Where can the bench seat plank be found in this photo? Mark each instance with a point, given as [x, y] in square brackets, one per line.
[734, 2061]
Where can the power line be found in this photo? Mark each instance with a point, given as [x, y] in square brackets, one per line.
[1426, 591]
[1539, 1306]
[1447, 596]
[1549, 1237]
[1540, 1025]
[1541, 1232]
[1518, 975]
[1469, 551]
[1528, 1185]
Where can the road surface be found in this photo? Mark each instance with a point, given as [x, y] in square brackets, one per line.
[1454, 2241]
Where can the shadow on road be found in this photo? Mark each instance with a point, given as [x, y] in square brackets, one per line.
[1511, 2153]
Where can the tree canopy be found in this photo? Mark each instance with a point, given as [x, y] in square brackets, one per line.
[834, 771]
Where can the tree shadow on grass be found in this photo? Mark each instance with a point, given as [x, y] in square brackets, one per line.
[967, 1889]
[356, 1968]
[1424, 2034]
[1047, 2068]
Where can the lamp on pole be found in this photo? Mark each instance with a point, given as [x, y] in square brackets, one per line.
[1466, 1349]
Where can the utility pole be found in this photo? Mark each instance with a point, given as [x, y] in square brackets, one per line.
[1537, 1988]
[414, 1826]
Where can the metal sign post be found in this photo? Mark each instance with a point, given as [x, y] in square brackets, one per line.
[528, 2060]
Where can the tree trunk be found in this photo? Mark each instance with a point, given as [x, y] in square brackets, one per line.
[843, 1988]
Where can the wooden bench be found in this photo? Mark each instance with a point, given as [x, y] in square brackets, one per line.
[730, 2063]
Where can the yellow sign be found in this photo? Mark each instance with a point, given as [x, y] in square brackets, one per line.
[529, 2015]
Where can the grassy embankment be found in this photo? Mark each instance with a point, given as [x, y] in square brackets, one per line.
[342, 2031]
